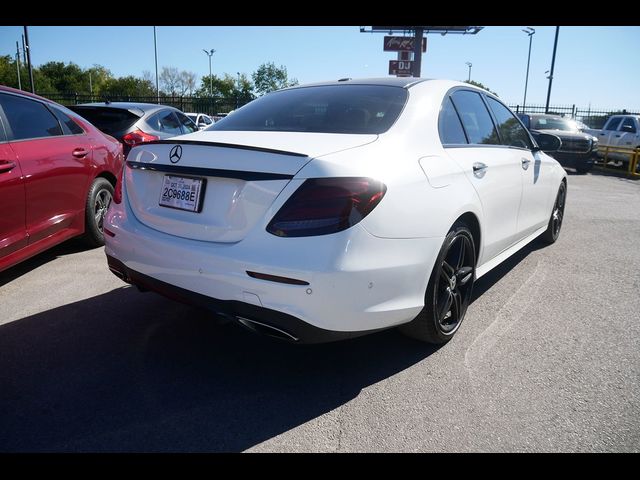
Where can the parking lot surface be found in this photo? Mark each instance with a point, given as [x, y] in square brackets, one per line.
[547, 359]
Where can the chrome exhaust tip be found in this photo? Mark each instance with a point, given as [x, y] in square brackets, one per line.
[264, 329]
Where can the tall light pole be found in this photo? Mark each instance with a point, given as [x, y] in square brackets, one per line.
[28, 49]
[553, 64]
[210, 76]
[529, 31]
[155, 49]
[469, 64]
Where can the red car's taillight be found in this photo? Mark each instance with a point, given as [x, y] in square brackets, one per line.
[138, 136]
[117, 192]
[326, 205]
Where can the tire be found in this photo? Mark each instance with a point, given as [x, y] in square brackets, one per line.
[449, 291]
[557, 214]
[98, 201]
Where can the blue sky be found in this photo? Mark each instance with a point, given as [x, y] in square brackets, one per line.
[596, 65]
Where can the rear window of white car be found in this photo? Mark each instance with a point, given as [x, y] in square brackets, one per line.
[367, 109]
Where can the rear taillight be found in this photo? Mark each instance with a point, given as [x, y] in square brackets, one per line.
[117, 192]
[138, 136]
[326, 205]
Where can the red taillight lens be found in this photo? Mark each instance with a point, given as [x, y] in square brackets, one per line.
[117, 193]
[138, 136]
[326, 205]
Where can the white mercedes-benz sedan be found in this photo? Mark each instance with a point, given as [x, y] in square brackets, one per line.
[331, 210]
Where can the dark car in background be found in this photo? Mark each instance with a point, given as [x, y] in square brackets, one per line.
[578, 149]
[135, 123]
[58, 174]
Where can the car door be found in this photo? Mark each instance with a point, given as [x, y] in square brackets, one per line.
[13, 230]
[56, 167]
[610, 129]
[494, 171]
[535, 169]
[627, 135]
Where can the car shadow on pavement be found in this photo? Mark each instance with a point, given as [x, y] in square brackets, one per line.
[66, 248]
[126, 371]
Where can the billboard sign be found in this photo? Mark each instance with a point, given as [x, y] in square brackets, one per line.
[402, 44]
[397, 67]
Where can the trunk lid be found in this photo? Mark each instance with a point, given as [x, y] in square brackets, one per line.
[233, 177]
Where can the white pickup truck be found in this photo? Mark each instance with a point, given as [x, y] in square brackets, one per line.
[620, 131]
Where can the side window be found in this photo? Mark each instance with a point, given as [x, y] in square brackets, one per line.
[165, 122]
[207, 120]
[451, 132]
[28, 118]
[613, 123]
[3, 135]
[69, 127]
[475, 118]
[628, 126]
[186, 123]
[511, 131]
[525, 119]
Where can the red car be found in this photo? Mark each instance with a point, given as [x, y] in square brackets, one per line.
[57, 176]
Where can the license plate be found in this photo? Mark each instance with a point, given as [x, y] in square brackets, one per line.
[183, 193]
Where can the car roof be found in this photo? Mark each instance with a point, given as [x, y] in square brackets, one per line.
[404, 82]
[547, 115]
[4, 88]
[134, 107]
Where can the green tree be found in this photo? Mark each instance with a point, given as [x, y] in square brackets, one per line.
[478, 84]
[221, 87]
[99, 77]
[268, 77]
[62, 77]
[127, 86]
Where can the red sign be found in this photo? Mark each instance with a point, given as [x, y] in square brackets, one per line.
[402, 44]
[397, 67]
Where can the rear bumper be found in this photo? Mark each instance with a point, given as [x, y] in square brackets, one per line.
[257, 319]
[356, 282]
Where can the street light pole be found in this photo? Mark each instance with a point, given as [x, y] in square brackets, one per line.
[469, 64]
[210, 75]
[28, 49]
[155, 49]
[529, 31]
[553, 64]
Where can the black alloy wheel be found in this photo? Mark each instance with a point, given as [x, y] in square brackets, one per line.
[449, 291]
[557, 215]
[98, 201]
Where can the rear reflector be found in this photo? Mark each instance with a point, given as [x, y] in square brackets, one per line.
[275, 278]
[326, 205]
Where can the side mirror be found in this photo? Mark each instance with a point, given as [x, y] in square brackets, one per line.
[202, 124]
[546, 142]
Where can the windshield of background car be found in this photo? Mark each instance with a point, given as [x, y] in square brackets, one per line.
[367, 109]
[553, 124]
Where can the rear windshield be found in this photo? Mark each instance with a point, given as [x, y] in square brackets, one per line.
[329, 109]
[109, 120]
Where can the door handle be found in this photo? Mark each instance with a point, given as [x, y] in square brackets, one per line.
[479, 169]
[603, 133]
[617, 136]
[525, 163]
[6, 166]
[79, 152]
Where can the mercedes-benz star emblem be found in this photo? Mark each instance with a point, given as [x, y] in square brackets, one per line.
[175, 154]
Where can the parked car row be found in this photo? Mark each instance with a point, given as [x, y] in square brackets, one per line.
[619, 132]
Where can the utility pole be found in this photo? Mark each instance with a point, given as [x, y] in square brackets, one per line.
[155, 49]
[26, 38]
[529, 31]
[18, 65]
[553, 64]
[469, 64]
[90, 86]
[417, 51]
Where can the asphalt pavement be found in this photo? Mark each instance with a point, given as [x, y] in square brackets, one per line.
[547, 360]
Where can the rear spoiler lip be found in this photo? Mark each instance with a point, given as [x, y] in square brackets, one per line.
[225, 145]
